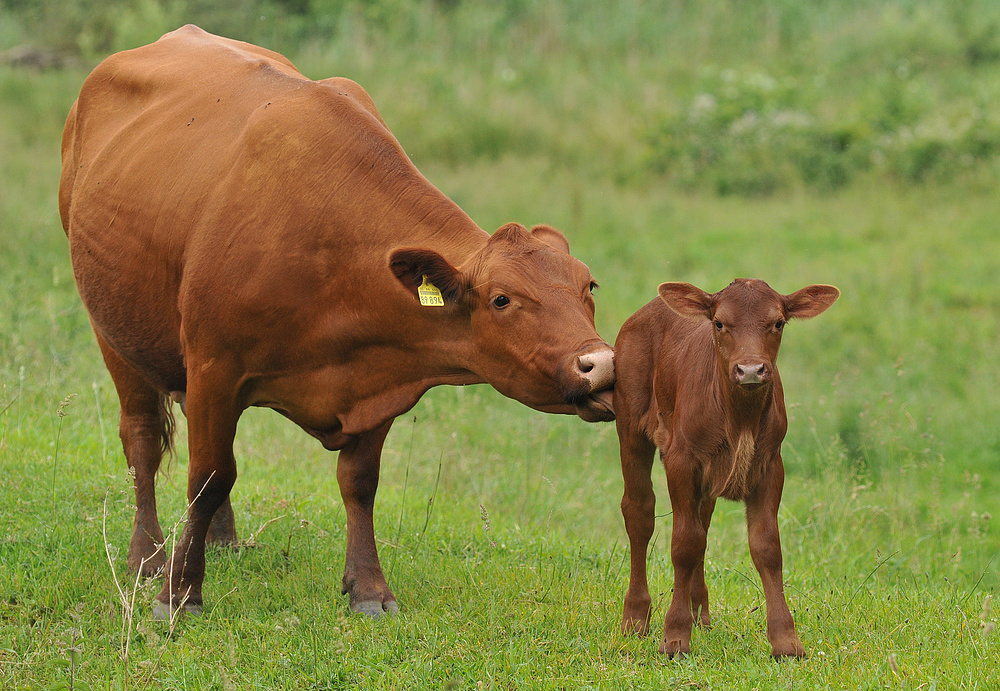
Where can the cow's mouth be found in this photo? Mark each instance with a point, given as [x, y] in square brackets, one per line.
[597, 407]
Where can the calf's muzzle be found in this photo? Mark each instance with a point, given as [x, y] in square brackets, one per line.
[751, 374]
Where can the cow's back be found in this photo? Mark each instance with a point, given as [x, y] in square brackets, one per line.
[129, 106]
[207, 182]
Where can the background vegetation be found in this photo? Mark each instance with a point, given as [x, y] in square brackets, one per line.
[853, 142]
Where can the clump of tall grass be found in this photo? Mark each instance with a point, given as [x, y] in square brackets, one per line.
[748, 132]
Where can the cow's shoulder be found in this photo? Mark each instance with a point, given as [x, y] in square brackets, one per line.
[196, 46]
[352, 90]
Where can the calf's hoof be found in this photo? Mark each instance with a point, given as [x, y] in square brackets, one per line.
[675, 648]
[164, 612]
[634, 627]
[790, 649]
[375, 608]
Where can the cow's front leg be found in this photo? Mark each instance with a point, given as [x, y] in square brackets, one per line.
[212, 414]
[357, 474]
[687, 551]
[765, 549]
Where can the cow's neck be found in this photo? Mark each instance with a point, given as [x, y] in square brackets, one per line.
[427, 218]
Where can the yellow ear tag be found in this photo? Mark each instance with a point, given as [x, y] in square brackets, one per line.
[429, 294]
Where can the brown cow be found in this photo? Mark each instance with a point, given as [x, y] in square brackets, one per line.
[698, 379]
[244, 236]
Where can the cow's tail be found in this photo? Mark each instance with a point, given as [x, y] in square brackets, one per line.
[167, 426]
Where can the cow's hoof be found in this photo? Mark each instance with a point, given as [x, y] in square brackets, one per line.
[162, 611]
[376, 608]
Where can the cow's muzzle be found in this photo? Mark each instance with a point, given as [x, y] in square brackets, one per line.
[592, 394]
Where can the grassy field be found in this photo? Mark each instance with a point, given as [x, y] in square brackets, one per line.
[499, 527]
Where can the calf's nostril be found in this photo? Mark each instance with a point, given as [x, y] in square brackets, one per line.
[585, 365]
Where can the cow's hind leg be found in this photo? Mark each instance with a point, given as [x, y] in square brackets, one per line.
[146, 430]
[222, 529]
[357, 474]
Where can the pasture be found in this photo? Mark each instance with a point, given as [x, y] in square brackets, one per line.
[499, 527]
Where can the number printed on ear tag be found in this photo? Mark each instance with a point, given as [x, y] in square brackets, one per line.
[429, 294]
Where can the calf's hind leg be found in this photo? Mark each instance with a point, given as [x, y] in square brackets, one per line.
[699, 589]
[638, 511]
[146, 430]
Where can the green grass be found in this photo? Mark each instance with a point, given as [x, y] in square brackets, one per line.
[499, 527]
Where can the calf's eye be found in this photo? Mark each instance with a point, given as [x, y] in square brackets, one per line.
[718, 325]
[593, 286]
[779, 325]
[501, 301]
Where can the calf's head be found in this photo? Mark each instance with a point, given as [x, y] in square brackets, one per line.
[748, 318]
[530, 311]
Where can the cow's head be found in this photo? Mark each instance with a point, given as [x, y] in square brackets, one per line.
[748, 318]
[530, 308]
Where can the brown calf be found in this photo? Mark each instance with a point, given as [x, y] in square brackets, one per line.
[698, 379]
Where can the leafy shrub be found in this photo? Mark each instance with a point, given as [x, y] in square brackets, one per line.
[752, 134]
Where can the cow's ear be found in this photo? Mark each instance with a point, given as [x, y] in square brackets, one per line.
[411, 264]
[686, 300]
[552, 237]
[810, 301]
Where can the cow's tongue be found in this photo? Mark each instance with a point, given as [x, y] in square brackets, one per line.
[605, 398]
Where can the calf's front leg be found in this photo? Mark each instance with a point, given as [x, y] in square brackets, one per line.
[357, 474]
[687, 551]
[765, 549]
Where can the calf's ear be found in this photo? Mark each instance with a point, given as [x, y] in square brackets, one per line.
[552, 237]
[686, 300]
[411, 264]
[810, 301]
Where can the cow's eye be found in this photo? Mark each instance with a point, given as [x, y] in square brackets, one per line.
[718, 325]
[779, 325]
[501, 301]
[593, 286]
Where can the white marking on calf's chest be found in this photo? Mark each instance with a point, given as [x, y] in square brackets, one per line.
[739, 472]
